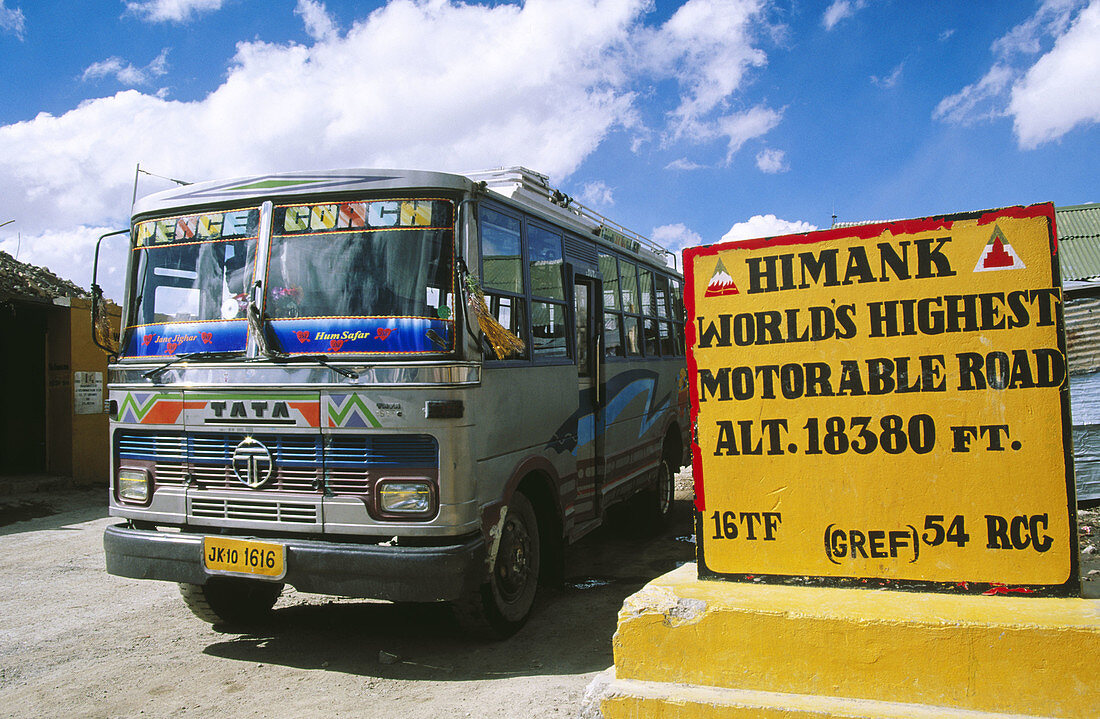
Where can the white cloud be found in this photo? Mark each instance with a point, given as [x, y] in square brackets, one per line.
[891, 80]
[1062, 89]
[709, 46]
[71, 254]
[1050, 20]
[682, 163]
[772, 161]
[126, 73]
[597, 194]
[1055, 93]
[839, 10]
[976, 102]
[675, 238]
[12, 20]
[319, 23]
[171, 10]
[540, 84]
[766, 226]
[741, 127]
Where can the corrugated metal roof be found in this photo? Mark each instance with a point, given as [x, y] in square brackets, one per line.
[1078, 241]
[1079, 258]
[1078, 220]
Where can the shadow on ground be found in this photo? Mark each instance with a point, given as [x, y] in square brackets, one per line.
[569, 632]
[50, 510]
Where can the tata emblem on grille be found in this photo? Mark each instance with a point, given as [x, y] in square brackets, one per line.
[252, 463]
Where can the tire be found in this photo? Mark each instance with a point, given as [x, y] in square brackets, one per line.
[501, 606]
[231, 602]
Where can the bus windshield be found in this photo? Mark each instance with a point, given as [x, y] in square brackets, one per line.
[373, 277]
[364, 277]
[190, 283]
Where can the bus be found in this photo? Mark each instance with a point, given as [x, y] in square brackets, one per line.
[403, 385]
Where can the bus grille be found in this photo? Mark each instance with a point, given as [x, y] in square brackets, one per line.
[253, 510]
[304, 463]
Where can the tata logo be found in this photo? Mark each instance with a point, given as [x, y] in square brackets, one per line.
[252, 463]
[252, 411]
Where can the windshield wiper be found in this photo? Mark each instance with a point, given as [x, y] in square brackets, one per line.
[226, 354]
[319, 359]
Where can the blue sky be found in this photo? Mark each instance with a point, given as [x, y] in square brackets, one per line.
[689, 122]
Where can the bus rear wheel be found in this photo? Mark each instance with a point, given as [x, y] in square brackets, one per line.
[231, 602]
[501, 606]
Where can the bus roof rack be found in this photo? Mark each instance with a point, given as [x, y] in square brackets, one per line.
[523, 184]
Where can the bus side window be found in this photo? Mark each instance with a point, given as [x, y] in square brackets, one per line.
[632, 326]
[548, 329]
[632, 335]
[648, 308]
[545, 264]
[677, 302]
[668, 340]
[677, 309]
[652, 348]
[612, 336]
[629, 284]
[511, 314]
[661, 289]
[612, 319]
[502, 275]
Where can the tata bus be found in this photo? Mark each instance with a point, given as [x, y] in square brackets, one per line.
[404, 385]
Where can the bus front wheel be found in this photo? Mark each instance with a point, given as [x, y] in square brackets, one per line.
[231, 602]
[500, 606]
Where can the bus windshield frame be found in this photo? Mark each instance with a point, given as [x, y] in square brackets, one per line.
[363, 277]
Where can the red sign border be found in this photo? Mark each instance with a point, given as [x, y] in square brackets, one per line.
[1071, 587]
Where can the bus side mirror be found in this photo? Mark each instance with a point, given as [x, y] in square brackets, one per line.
[101, 323]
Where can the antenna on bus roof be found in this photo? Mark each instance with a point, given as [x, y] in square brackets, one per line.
[139, 171]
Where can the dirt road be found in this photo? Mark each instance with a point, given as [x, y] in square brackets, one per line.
[76, 642]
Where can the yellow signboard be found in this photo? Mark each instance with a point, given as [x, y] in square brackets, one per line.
[885, 405]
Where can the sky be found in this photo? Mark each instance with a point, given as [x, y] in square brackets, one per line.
[688, 122]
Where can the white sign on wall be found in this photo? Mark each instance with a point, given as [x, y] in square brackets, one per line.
[87, 392]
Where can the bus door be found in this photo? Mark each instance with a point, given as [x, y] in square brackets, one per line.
[590, 434]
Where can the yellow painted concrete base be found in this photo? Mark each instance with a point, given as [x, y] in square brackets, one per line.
[687, 648]
[635, 699]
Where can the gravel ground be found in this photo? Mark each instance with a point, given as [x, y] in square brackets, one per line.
[76, 642]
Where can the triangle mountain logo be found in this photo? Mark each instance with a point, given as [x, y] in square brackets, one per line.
[720, 283]
[998, 254]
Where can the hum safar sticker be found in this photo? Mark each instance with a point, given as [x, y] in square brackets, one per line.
[886, 405]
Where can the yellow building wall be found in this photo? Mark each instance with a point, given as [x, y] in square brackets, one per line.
[77, 443]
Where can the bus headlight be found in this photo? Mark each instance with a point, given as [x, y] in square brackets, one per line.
[406, 498]
[133, 485]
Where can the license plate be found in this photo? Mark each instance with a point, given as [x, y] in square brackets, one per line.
[244, 557]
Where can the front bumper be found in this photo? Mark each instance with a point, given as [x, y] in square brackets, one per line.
[395, 573]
